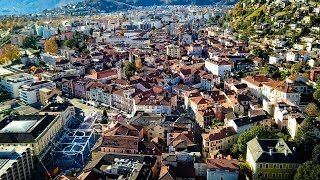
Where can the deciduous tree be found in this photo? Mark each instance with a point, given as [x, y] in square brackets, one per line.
[51, 46]
[9, 53]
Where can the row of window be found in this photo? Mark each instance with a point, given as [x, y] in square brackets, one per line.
[279, 175]
[278, 166]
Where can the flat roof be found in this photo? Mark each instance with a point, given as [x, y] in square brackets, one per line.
[23, 128]
[4, 71]
[18, 126]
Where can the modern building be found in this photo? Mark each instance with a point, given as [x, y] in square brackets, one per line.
[271, 158]
[16, 163]
[222, 169]
[29, 94]
[11, 84]
[34, 131]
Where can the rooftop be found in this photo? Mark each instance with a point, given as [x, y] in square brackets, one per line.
[23, 128]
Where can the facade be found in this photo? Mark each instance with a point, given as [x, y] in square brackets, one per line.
[46, 93]
[16, 163]
[255, 84]
[11, 84]
[34, 131]
[120, 144]
[218, 68]
[271, 158]
[29, 94]
[173, 51]
[65, 110]
[218, 139]
[209, 81]
[222, 169]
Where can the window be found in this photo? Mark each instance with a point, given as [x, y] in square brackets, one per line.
[280, 166]
[273, 175]
[293, 166]
[260, 165]
[265, 175]
[274, 166]
[267, 166]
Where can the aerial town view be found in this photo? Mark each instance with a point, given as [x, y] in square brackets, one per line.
[159, 89]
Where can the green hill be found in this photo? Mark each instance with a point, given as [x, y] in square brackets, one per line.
[263, 18]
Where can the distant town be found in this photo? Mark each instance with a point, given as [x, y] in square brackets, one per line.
[162, 92]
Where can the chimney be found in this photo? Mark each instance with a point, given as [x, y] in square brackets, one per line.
[270, 151]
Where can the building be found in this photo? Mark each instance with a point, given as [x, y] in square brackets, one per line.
[16, 163]
[255, 84]
[29, 94]
[173, 51]
[219, 68]
[11, 84]
[34, 131]
[222, 169]
[120, 166]
[218, 139]
[243, 124]
[180, 141]
[65, 110]
[209, 81]
[47, 93]
[271, 158]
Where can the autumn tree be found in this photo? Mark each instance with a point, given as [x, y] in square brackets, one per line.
[9, 53]
[51, 46]
[138, 63]
[312, 110]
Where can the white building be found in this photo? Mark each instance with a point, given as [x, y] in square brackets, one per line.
[243, 124]
[274, 59]
[209, 81]
[219, 68]
[222, 169]
[16, 163]
[254, 84]
[30, 93]
[11, 84]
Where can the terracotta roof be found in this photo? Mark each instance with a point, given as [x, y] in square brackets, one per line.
[224, 164]
[119, 141]
[219, 133]
[198, 100]
[102, 74]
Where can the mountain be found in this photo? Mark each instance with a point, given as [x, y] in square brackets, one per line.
[108, 5]
[10, 7]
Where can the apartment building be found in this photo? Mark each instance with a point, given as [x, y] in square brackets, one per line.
[34, 131]
[29, 94]
[11, 84]
[16, 163]
[173, 51]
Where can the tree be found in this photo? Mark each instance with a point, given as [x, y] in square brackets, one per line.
[316, 94]
[9, 53]
[315, 157]
[130, 69]
[257, 131]
[29, 42]
[138, 63]
[104, 117]
[312, 110]
[51, 46]
[9, 112]
[245, 170]
[308, 171]
[304, 140]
